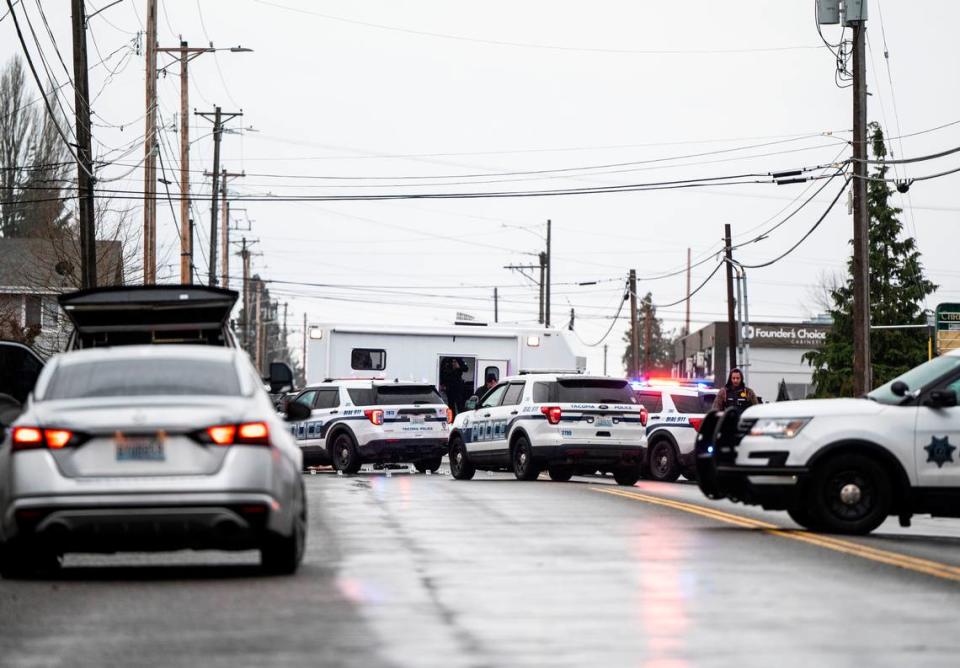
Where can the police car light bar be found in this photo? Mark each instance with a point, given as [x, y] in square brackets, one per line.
[330, 380]
[699, 383]
[527, 372]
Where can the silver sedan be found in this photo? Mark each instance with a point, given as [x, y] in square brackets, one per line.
[149, 448]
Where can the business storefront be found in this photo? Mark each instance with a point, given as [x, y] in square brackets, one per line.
[775, 355]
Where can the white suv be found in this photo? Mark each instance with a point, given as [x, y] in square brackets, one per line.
[844, 465]
[676, 410]
[355, 422]
[567, 424]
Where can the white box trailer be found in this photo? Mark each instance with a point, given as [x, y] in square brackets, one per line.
[417, 353]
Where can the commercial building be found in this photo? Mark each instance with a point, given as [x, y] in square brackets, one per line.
[775, 355]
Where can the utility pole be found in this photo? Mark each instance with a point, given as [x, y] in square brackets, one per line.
[219, 118]
[85, 179]
[225, 227]
[543, 276]
[634, 333]
[862, 368]
[284, 327]
[259, 328]
[731, 317]
[150, 152]
[572, 316]
[605, 359]
[647, 330]
[686, 327]
[303, 359]
[522, 269]
[245, 256]
[496, 306]
[186, 54]
[549, 268]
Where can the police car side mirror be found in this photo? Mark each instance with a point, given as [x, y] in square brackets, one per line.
[942, 399]
[297, 411]
[472, 403]
[899, 388]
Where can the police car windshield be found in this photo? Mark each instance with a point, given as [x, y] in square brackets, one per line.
[395, 395]
[595, 391]
[916, 378]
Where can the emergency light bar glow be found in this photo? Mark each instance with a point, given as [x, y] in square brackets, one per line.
[699, 383]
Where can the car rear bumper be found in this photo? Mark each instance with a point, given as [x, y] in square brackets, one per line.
[147, 522]
[402, 449]
[598, 455]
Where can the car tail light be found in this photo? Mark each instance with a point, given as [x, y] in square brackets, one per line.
[253, 433]
[449, 416]
[695, 423]
[644, 416]
[222, 435]
[57, 438]
[553, 413]
[246, 433]
[375, 415]
[25, 438]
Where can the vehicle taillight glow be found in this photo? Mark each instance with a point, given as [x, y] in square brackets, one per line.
[253, 433]
[695, 423]
[27, 437]
[553, 413]
[449, 416]
[375, 415]
[644, 416]
[57, 438]
[222, 435]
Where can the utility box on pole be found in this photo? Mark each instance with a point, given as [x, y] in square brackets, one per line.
[828, 12]
[854, 11]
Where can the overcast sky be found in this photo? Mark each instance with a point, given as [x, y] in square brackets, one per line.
[432, 88]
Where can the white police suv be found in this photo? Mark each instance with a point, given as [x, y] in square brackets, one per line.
[568, 424]
[355, 422]
[676, 408]
[844, 465]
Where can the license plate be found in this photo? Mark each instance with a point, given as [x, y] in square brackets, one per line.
[417, 419]
[604, 422]
[139, 449]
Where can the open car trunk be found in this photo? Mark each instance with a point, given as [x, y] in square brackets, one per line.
[129, 315]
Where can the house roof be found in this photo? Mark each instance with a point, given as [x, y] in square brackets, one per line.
[54, 264]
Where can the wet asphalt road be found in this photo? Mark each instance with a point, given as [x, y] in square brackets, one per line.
[428, 571]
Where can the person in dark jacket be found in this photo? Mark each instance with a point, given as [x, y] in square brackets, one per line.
[452, 382]
[734, 394]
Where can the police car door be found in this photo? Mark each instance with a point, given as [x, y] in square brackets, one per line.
[325, 408]
[487, 424]
[937, 439]
[299, 429]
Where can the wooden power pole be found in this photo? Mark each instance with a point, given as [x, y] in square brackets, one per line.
[245, 256]
[546, 312]
[85, 180]
[686, 326]
[150, 151]
[225, 227]
[219, 118]
[647, 335]
[862, 368]
[259, 329]
[731, 305]
[634, 332]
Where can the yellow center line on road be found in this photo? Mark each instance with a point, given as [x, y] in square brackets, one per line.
[907, 562]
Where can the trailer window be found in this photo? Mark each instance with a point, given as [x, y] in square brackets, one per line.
[368, 359]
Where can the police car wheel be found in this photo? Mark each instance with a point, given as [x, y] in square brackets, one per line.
[627, 475]
[344, 454]
[524, 468]
[850, 494]
[560, 473]
[431, 464]
[663, 465]
[460, 466]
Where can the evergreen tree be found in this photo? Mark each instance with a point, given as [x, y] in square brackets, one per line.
[661, 342]
[897, 293]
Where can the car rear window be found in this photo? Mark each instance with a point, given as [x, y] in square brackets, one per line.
[394, 395]
[700, 403]
[144, 377]
[652, 401]
[594, 391]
